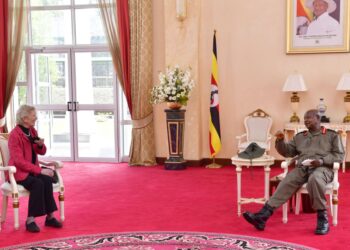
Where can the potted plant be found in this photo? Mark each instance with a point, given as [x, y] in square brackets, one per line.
[174, 87]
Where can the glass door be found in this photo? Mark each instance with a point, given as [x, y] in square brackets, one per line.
[95, 109]
[74, 92]
[51, 92]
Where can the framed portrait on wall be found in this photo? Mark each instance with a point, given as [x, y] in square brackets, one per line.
[317, 26]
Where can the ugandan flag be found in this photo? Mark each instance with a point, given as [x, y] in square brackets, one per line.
[214, 122]
[303, 11]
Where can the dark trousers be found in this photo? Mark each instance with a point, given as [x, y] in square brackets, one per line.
[41, 200]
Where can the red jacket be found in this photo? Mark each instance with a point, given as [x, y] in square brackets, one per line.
[20, 149]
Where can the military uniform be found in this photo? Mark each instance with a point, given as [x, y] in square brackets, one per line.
[322, 145]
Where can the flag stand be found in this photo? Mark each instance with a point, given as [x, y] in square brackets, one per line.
[213, 164]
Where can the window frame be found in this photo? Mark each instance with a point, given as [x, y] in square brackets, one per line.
[121, 121]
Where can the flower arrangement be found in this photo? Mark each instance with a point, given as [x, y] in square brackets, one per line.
[175, 85]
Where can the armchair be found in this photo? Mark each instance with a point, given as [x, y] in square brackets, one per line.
[12, 189]
[257, 125]
[331, 190]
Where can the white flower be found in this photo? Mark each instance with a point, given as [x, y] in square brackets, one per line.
[174, 85]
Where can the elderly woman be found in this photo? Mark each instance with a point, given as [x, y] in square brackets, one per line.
[24, 146]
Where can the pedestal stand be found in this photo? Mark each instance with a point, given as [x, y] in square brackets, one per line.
[175, 120]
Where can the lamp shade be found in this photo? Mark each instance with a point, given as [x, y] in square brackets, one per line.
[181, 9]
[344, 83]
[294, 83]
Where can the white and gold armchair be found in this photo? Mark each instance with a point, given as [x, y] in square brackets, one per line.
[332, 189]
[257, 125]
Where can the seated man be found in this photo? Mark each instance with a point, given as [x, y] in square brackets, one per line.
[316, 150]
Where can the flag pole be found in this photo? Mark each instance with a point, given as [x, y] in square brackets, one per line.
[214, 119]
[213, 164]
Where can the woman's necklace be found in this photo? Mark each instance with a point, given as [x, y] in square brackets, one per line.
[28, 135]
[25, 130]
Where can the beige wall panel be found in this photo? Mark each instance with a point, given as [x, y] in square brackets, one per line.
[253, 66]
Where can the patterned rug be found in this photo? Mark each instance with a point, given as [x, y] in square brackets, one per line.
[160, 240]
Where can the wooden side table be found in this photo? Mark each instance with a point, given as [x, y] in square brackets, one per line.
[265, 161]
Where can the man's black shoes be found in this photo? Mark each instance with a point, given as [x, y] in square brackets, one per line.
[53, 222]
[258, 220]
[254, 220]
[32, 227]
[322, 222]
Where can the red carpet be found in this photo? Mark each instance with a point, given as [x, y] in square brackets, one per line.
[104, 198]
[161, 241]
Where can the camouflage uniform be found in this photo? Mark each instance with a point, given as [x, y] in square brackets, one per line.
[325, 145]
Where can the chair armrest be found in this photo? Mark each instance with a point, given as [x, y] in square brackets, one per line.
[13, 183]
[284, 165]
[268, 143]
[60, 179]
[58, 165]
[55, 164]
[336, 166]
[11, 169]
[240, 137]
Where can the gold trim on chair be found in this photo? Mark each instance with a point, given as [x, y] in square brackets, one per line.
[15, 204]
[259, 113]
[61, 197]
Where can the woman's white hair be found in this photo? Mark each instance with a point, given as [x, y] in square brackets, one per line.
[22, 112]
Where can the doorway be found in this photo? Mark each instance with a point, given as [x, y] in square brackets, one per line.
[75, 94]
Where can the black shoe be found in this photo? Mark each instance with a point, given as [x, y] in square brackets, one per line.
[322, 223]
[258, 220]
[254, 220]
[53, 223]
[32, 227]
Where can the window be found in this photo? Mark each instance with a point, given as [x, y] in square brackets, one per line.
[58, 25]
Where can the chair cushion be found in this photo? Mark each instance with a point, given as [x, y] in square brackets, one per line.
[7, 189]
[329, 187]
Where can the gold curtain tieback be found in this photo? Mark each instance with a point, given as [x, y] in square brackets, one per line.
[143, 122]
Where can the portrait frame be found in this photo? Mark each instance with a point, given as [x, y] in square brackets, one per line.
[303, 38]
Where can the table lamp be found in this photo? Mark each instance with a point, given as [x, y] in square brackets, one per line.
[344, 85]
[294, 83]
[181, 9]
